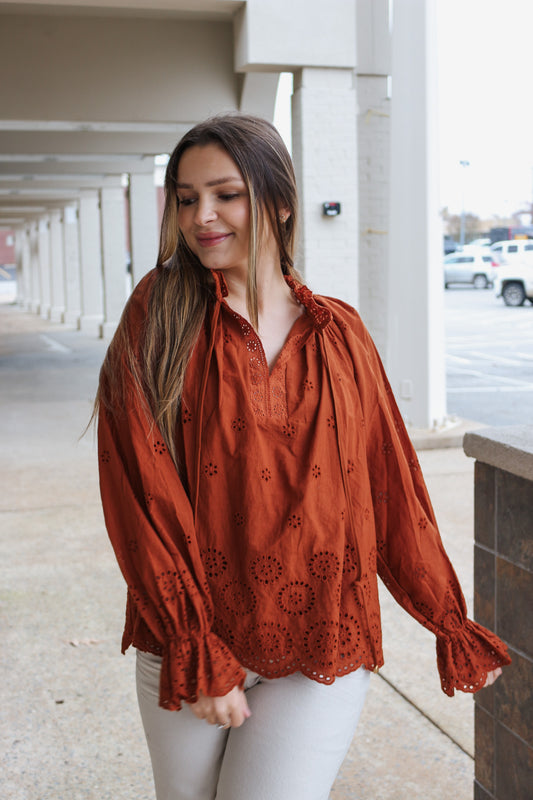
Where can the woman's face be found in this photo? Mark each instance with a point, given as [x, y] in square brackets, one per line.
[214, 208]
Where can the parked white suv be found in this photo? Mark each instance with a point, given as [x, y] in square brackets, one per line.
[474, 267]
[508, 251]
[514, 282]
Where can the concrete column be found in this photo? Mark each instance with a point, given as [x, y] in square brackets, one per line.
[415, 352]
[71, 251]
[325, 158]
[144, 234]
[35, 270]
[373, 145]
[113, 256]
[43, 248]
[24, 292]
[92, 309]
[19, 232]
[57, 267]
[258, 95]
[373, 123]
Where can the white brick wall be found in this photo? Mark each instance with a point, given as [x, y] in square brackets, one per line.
[373, 128]
[324, 136]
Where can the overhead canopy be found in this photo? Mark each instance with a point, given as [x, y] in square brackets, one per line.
[97, 89]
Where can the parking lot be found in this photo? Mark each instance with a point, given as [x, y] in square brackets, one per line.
[489, 358]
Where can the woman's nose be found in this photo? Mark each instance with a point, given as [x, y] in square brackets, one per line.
[205, 211]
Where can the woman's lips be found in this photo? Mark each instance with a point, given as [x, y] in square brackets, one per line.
[210, 239]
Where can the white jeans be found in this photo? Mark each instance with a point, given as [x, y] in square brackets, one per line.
[291, 748]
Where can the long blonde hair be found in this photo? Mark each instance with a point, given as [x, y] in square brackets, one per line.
[183, 287]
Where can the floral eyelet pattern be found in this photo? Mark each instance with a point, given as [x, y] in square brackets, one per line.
[351, 565]
[266, 569]
[289, 430]
[296, 598]
[382, 498]
[325, 566]
[238, 598]
[349, 638]
[272, 638]
[238, 424]
[215, 562]
[321, 640]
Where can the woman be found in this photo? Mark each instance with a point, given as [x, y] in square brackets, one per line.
[256, 476]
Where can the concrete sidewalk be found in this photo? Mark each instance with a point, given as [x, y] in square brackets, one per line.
[69, 725]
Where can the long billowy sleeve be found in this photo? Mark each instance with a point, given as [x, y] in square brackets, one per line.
[412, 561]
[150, 523]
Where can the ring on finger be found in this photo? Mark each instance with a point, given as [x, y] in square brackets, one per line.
[224, 727]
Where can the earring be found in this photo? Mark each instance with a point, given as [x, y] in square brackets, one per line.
[282, 218]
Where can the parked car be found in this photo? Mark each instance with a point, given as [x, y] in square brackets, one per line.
[513, 249]
[450, 245]
[472, 267]
[484, 241]
[514, 282]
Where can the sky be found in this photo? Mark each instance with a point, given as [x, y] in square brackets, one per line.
[485, 76]
[485, 104]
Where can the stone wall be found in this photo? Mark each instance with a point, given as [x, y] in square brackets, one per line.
[503, 602]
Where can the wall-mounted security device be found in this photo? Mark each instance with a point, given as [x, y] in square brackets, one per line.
[331, 209]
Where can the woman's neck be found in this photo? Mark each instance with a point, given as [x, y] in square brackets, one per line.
[272, 289]
[278, 309]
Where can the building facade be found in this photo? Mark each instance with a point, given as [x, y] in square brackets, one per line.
[98, 89]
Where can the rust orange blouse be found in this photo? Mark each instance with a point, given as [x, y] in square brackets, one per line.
[297, 487]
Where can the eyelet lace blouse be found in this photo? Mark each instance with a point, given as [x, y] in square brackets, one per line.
[297, 487]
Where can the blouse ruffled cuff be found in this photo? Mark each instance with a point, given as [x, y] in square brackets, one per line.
[466, 656]
[198, 665]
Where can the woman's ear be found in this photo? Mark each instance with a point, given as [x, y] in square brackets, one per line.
[284, 215]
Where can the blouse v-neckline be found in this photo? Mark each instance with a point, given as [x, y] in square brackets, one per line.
[312, 316]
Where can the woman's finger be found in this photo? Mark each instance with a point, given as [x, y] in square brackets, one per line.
[492, 676]
[231, 710]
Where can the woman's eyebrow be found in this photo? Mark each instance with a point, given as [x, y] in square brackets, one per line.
[215, 182]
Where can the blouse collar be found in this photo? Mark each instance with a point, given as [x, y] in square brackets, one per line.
[319, 315]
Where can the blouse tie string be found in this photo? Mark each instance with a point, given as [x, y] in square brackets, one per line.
[349, 506]
[201, 401]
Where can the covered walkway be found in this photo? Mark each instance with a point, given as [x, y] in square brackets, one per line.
[95, 93]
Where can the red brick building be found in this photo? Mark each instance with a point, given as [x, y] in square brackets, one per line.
[7, 248]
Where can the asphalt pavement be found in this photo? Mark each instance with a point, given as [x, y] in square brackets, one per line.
[489, 358]
[69, 724]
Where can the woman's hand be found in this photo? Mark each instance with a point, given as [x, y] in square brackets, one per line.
[491, 676]
[228, 711]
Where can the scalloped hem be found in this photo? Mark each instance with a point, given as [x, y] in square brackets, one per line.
[281, 668]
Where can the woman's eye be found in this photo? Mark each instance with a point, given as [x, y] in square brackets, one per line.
[185, 201]
[229, 196]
